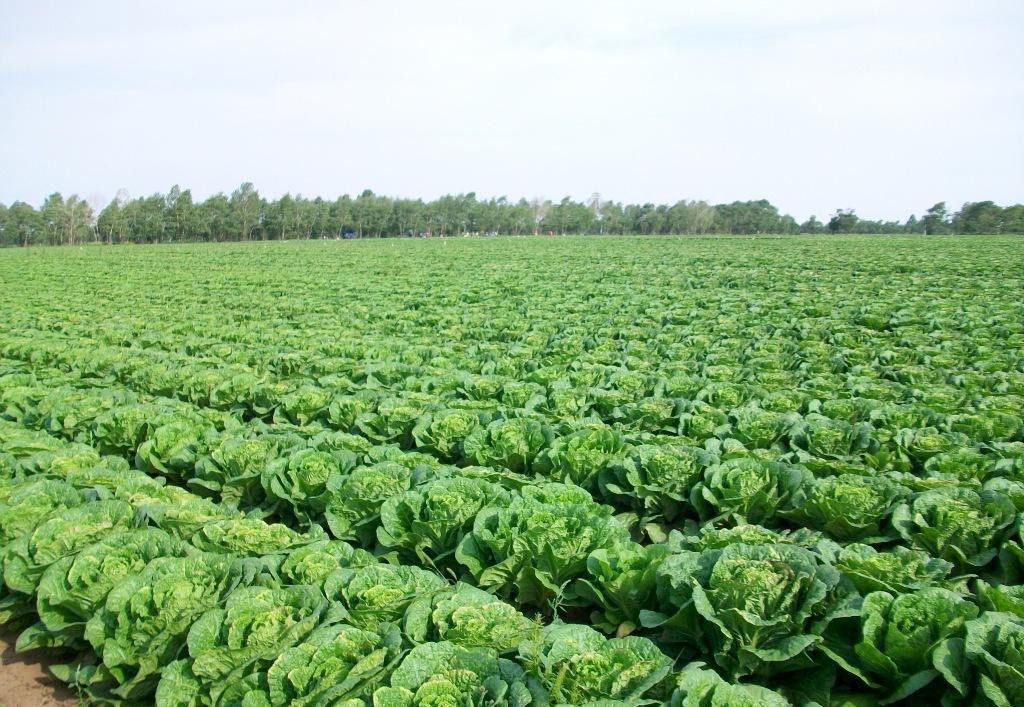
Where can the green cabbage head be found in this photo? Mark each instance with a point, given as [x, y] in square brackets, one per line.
[247, 634]
[897, 570]
[144, 623]
[696, 686]
[447, 674]
[468, 617]
[512, 444]
[747, 490]
[905, 641]
[580, 456]
[426, 524]
[759, 609]
[27, 558]
[532, 551]
[848, 507]
[995, 650]
[312, 563]
[957, 524]
[336, 665]
[574, 664]
[368, 596]
[655, 480]
[74, 587]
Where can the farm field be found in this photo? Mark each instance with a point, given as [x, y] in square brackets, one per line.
[518, 471]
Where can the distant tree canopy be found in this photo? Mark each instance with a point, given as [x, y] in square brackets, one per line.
[245, 215]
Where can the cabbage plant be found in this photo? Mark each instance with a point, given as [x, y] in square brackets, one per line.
[574, 664]
[907, 642]
[620, 581]
[820, 437]
[444, 432]
[354, 501]
[1006, 598]
[994, 646]
[336, 665]
[468, 617]
[957, 524]
[74, 587]
[512, 444]
[24, 505]
[759, 609]
[896, 570]
[848, 507]
[312, 563]
[1011, 559]
[27, 558]
[247, 634]
[756, 427]
[393, 420]
[708, 537]
[580, 456]
[426, 524]
[369, 596]
[655, 480]
[747, 490]
[121, 430]
[445, 673]
[532, 551]
[303, 405]
[171, 508]
[697, 686]
[233, 469]
[173, 448]
[298, 482]
[144, 622]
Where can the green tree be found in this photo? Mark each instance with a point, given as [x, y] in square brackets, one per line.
[24, 225]
[408, 215]
[362, 212]
[246, 207]
[520, 219]
[936, 219]
[112, 222]
[978, 217]
[65, 221]
[843, 221]
[174, 216]
[812, 225]
[570, 216]
[1013, 219]
[690, 217]
[341, 219]
[52, 215]
[539, 210]
[181, 214]
[613, 219]
[758, 216]
[216, 219]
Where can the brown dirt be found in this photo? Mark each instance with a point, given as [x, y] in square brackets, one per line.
[25, 681]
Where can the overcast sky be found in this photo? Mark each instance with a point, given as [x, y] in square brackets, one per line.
[885, 107]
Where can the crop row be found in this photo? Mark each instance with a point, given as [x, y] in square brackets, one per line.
[152, 589]
[793, 468]
[779, 374]
[538, 543]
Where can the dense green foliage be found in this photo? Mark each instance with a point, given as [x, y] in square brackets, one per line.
[518, 471]
[245, 215]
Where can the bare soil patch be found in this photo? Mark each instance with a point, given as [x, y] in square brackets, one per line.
[25, 680]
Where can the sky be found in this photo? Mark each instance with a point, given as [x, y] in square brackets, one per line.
[883, 107]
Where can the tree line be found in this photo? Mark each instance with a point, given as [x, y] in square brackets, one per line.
[245, 215]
